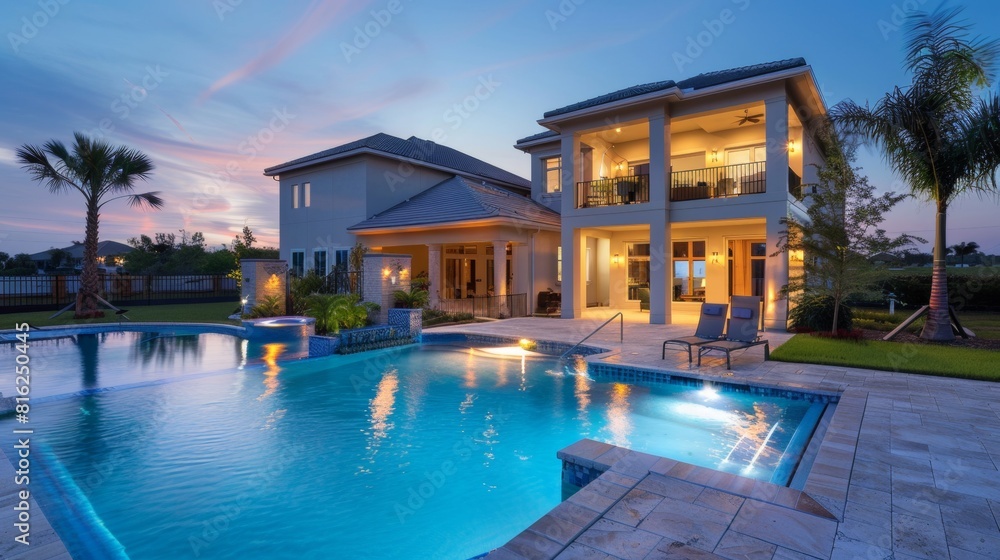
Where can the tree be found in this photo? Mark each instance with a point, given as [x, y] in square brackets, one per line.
[101, 173]
[936, 133]
[964, 249]
[57, 257]
[841, 233]
[20, 265]
[4, 257]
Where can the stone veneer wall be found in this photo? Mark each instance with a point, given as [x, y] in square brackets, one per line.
[264, 278]
[384, 274]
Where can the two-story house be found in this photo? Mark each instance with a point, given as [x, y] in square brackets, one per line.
[452, 213]
[678, 189]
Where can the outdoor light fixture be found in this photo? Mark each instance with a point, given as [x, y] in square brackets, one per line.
[616, 259]
[715, 257]
[618, 130]
[715, 156]
[791, 146]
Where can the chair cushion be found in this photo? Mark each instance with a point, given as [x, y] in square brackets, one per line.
[711, 309]
[742, 313]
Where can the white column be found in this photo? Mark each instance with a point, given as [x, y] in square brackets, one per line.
[574, 289]
[499, 268]
[660, 274]
[434, 274]
[776, 267]
[776, 130]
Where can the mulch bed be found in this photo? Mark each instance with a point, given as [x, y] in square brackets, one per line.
[975, 342]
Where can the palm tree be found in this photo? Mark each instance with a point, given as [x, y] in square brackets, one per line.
[937, 134]
[101, 173]
[964, 249]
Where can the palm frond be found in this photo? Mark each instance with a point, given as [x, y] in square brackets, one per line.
[34, 160]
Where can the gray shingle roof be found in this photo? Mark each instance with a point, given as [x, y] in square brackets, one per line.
[700, 81]
[456, 200]
[539, 136]
[104, 249]
[420, 150]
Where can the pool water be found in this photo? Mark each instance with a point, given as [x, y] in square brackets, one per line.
[421, 452]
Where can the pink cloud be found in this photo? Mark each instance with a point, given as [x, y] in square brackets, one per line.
[318, 17]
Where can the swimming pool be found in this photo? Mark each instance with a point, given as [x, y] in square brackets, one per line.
[424, 451]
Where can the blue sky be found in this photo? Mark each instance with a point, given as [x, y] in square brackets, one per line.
[214, 91]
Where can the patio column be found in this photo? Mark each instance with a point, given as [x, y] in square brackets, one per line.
[499, 268]
[434, 274]
[776, 131]
[659, 227]
[775, 275]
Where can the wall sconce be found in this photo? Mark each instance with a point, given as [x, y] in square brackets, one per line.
[386, 272]
[715, 257]
[791, 146]
[715, 156]
[796, 255]
[616, 260]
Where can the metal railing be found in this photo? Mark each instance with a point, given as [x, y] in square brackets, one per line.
[719, 182]
[632, 189]
[621, 333]
[493, 307]
[40, 293]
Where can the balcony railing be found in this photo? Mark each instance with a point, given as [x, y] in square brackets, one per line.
[632, 189]
[719, 182]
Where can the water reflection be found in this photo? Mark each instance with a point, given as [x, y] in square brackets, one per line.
[581, 390]
[165, 348]
[272, 353]
[88, 344]
[752, 433]
[470, 371]
[380, 410]
[619, 421]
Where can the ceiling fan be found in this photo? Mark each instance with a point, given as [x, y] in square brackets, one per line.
[748, 118]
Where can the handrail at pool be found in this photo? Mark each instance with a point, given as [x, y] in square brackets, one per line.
[621, 333]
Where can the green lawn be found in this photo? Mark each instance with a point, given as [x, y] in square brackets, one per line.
[187, 313]
[946, 361]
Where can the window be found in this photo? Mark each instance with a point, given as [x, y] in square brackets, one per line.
[559, 264]
[638, 268]
[552, 170]
[298, 262]
[295, 196]
[689, 271]
[340, 258]
[319, 261]
[306, 194]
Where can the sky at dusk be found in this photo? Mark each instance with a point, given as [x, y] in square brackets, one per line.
[214, 91]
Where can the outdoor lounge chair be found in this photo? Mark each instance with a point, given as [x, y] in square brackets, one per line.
[711, 323]
[742, 332]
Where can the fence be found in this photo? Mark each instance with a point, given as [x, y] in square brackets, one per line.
[345, 282]
[494, 307]
[40, 293]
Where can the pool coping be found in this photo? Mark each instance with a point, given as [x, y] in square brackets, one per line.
[61, 331]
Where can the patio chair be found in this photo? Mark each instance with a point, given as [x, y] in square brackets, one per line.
[742, 332]
[711, 323]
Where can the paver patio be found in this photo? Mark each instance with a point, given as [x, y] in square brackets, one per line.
[908, 468]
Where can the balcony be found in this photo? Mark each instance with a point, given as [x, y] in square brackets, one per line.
[631, 189]
[697, 184]
[718, 182]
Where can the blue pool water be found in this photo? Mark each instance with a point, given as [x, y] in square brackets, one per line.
[423, 452]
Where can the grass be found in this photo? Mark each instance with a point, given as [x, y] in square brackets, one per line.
[186, 313]
[945, 361]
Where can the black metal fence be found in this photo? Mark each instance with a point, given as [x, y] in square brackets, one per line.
[41, 293]
[494, 307]
[346, 282]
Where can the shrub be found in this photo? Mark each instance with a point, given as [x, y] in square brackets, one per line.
[303, 287]
[266, 307]
[338, 311]
[815, 312]
[413, 299]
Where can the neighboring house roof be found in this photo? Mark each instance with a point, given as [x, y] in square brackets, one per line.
[700, 81]
[104, 248]
[412, 148]
[460, 200]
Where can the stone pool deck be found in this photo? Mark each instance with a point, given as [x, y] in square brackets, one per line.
[908, 468]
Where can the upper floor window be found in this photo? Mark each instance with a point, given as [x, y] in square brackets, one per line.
[306, 194]
[552, 170]
[295, 196]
